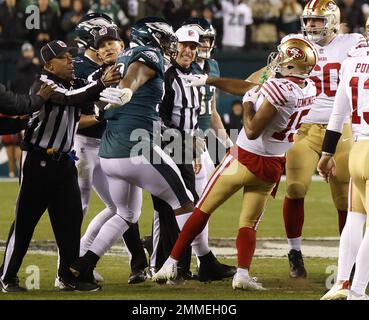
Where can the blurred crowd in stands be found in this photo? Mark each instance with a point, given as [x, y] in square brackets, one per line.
[240, 24]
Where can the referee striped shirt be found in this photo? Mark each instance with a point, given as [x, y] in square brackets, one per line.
[180, 108]
[55, 124]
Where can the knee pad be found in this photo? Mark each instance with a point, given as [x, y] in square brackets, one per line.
[296, 190]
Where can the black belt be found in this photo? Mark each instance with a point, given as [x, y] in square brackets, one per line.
[54, 155]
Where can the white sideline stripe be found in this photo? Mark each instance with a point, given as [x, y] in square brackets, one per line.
[279, 239]
[315, 178]
[268, 250]
[8, 179]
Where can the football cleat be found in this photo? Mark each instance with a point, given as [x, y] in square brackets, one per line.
[11, 286]
[245, 282]
[339, 291]
[166, 272]
[297, 269]
[354, 296]
[211, 269]
[59, 284]
[98, 277]
[77, 286]
[137, 277]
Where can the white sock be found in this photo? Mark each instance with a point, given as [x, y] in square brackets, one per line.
[242, 271]
[294, 243]
[182, 218]
[108, 235]
[361, 277]
[351, 237]
[155, 239]
[200, 244]
[93, 230]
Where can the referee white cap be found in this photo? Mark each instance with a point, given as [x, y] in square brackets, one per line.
[187, 34]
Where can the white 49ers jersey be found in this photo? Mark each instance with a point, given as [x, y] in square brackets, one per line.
[352, 96]
[326, 74]
[293, 104]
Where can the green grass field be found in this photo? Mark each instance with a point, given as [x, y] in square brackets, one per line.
[320, 220]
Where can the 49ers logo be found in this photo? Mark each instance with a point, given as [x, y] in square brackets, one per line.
[295, 53]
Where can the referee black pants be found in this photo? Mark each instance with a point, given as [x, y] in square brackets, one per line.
[169, 229]
[45, 184]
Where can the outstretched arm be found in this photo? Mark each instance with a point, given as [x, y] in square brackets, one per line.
[236, 87]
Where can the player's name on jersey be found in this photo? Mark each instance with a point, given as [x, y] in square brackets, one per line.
[305, 102]
[362, 68]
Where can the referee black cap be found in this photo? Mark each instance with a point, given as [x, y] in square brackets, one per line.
[55, 48]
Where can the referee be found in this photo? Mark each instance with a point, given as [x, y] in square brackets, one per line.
[179, 110]
[48, 173]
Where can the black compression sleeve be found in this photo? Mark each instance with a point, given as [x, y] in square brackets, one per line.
[330, 141]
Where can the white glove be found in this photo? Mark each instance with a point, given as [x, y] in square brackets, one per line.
[195, 80]
[115, 97]
[252, 95]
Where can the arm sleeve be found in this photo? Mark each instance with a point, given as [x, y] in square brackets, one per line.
[77, 97]
[18, 104]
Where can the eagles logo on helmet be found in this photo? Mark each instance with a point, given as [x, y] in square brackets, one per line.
[89, 25]
[155, 32]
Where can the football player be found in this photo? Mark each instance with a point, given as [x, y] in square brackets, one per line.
[352, 233]
[128, 153]
[320, 23]
[209, 267]
[87, 143]
[256, 163]
[351, 100]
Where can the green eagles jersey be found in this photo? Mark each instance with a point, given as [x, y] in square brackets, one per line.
[135, 120]
[212, 69]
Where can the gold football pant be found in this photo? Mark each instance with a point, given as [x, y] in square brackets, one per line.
[302, 159]
[229, 177]
[359, 172]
